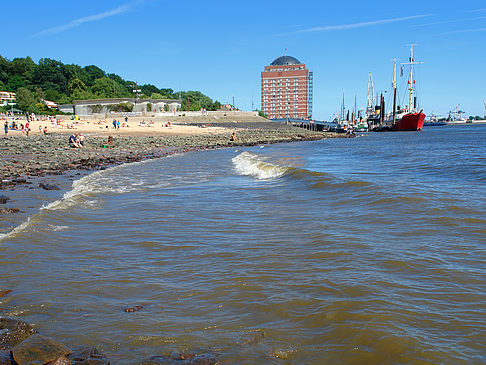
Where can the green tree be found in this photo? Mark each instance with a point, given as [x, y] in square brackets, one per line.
[262, 114]
[42, 108]
[53, 95]
[104, 88]
[3, 70]
[49, 75]
[94, 72]
[216, 106]
[24, 68]
[76, 72]
[39, 93]
[25, 99]
[149, 89]
[76, 85]
[14, 83]
[156, 96]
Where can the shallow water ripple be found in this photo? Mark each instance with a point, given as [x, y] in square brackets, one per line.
[276, 255]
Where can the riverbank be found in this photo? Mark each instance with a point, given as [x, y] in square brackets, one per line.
[24, 156]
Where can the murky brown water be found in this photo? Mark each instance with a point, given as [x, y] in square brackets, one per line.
[361, 251]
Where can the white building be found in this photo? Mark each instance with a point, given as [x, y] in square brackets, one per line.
[6, 97]
[107, 106]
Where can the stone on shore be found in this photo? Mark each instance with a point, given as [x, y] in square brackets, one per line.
[9, 210]
[13, 332]
[48, 186]
[4, 199]
[39, 350]
[87, 356]
[182, 359]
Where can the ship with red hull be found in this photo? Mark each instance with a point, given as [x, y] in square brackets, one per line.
[408, 118]
[410, 122]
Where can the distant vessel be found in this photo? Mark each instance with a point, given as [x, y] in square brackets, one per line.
[373, 111]
[407, 119]
[433, 121]
[456, 116]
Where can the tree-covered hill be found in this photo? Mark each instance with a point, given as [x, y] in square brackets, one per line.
[52, 80]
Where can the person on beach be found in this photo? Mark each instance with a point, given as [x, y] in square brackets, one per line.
[5, 127]
[233, 137]
[117, 124]
[45, 131]
[114, 123]
[81, 140]
[73, 141]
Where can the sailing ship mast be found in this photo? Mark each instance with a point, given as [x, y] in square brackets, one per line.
[342, 110]
[370, 102]
[411, 107]
[394, 89]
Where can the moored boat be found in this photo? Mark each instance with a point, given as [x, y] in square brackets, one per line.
[410, 122]
[408, 119]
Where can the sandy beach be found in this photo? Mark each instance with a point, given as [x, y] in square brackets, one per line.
[141, 126]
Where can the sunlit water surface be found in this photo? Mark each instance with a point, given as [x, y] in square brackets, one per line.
[370, 250]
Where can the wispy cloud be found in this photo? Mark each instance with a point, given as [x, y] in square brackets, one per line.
[450, 21]
[477, 10]
[327, 28]
[91, 18]
[474, 30]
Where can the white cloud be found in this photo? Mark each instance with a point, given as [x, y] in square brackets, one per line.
[358, 25]
[91, 18]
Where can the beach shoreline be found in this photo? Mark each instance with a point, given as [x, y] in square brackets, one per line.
[37, 155]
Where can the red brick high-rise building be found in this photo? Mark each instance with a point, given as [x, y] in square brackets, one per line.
[287, 87]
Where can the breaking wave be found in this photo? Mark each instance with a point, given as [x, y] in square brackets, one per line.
[84, 190]
[247, 163]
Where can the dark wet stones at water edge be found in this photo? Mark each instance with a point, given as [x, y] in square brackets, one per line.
[20, 344]
[38, 349]
[13, 332]
[4, 199]
[48, 186]
[87, 356]
[182, 359]
[9, 210]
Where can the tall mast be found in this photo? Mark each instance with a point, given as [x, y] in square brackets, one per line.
[410, 86]
[394, 89]
[342, 109]
[370, 102]
[410, 81]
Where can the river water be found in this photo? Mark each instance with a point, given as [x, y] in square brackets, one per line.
[366, 250]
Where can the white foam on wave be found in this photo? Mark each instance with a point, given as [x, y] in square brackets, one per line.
[83, 191]
[15, 230]
[58, 228]
[99, 182]
[247, 163]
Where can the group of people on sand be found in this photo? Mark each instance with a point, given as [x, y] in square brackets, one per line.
[76, 140]
[24, 128]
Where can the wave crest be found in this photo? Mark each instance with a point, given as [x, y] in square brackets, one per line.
[247, 163]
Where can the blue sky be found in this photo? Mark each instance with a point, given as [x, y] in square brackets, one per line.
[220, 48]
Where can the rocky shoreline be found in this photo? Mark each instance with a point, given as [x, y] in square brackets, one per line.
[24, 157]
[21, 344]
